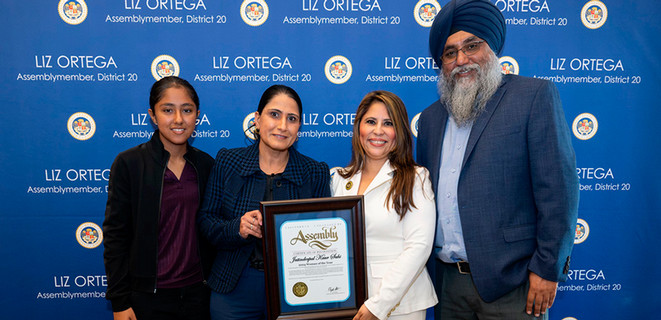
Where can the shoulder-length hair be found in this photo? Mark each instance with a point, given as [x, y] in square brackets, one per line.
[400, 194]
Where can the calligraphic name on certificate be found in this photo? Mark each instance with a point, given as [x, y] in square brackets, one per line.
[315, 265]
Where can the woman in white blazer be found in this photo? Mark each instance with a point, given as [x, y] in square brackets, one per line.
[399, 209]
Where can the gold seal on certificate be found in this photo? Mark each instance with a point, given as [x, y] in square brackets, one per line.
[300, 289]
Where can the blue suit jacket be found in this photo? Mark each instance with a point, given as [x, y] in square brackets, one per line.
[236, 186]
[518, 187]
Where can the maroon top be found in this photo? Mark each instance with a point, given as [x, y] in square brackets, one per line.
[178, 257]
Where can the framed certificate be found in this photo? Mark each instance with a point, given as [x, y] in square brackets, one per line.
[314, 257]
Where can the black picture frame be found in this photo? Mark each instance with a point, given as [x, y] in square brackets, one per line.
[314, 266]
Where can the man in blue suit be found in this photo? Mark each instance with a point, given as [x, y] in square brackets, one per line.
[499, 152]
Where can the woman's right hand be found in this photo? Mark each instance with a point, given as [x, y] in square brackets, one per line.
[127, 314]
[251, 224]
[364, 314]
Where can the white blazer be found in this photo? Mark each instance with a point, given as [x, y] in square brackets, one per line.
[397, 280]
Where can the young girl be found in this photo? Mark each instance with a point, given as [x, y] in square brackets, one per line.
[153, 259]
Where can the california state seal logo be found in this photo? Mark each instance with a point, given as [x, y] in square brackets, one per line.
[254, 12]
[249, 126]
[338, 69]
[585, 126]
[72, 11]
[594, 14]
[164, 66]
[508, 65]
[81, 126]
[414, 124]
[425, 11]
[582, 231]
[89, 235]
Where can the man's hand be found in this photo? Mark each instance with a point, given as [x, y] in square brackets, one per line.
[541, 294]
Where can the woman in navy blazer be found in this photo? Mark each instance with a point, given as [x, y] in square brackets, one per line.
[270, 169]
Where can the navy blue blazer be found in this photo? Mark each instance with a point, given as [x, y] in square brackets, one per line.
[236, 187]
[518, 187]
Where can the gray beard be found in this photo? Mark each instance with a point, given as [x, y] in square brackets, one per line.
[466, 100]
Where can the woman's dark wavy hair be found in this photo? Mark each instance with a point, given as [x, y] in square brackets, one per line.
[400, 157]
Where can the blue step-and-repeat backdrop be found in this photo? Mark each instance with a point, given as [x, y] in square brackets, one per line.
[75, 79]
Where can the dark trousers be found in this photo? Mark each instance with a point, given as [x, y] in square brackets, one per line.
[191, 302]
[458, 299]
[246, 301]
